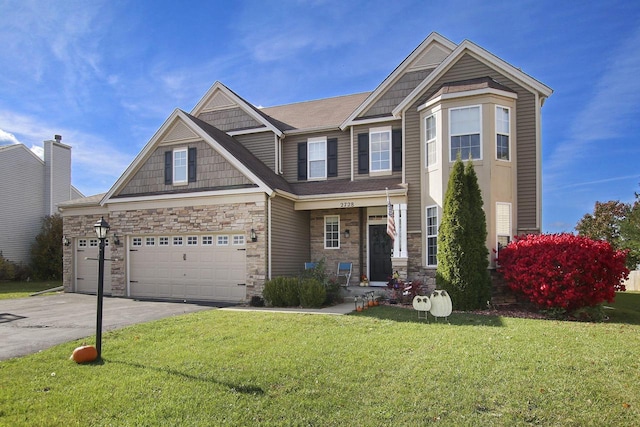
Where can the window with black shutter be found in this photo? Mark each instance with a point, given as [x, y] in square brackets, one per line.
[396, 149]
[192, 162]
[168, 167]
[332, 157]
[302, 161]
[363, 153]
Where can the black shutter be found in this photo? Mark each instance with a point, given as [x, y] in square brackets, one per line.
[168, 169]
[332, 157]
[396, 149]
[363, 153]
[191, 163]
[302, 161]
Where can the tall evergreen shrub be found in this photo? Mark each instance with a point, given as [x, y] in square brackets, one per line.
[452, 238]
[479, 278]
[462, 252]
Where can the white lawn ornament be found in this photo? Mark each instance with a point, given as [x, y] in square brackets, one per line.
[440, 304]
[421, 304]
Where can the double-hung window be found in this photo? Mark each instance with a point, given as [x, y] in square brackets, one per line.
[180, 166]
[380, 149]
[430, 138]
[464, 130]
[317, 158]
[502, 133]
[332, 232]
[503, 225]
[432, 236]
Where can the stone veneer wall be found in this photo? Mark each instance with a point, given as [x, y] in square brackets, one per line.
[349, 250]
[183, 220]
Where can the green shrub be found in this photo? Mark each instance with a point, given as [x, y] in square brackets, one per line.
[332, 288]
[312, 293]
[282, 292]
[7, 269]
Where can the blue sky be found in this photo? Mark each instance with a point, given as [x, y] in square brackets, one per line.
[106, 74]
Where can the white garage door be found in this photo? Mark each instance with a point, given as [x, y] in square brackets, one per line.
[87, 252]
[188, 267]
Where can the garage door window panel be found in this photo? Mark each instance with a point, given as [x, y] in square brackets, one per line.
[207, 240]
[163, 241]
[223, 240]
[177, 240]
[150, 241]
[192, 240]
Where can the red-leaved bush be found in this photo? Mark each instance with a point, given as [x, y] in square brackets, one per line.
[563, 270]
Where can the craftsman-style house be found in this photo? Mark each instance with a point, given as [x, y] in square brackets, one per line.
[229, 195]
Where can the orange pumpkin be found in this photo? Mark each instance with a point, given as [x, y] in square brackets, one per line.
[85, 353]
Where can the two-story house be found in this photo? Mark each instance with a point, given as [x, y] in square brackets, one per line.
[30, 189]
[230, 195]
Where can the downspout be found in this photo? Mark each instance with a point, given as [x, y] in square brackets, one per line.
[352, 161]
[404, 144]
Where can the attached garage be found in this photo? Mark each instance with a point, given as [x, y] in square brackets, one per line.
[86, 276]
[188, 267]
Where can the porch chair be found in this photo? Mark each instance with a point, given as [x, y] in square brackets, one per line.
[344, 270]
[310, 265]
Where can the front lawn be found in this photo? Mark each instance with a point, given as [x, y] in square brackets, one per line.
[380, 367]
[9, 290]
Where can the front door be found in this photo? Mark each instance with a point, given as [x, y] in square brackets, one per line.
[379, 253]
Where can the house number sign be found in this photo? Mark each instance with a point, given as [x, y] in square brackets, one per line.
[347, 204]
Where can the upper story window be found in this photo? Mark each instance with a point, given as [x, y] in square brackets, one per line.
[317, 158]
[380, 149]
[464, 131]
[430, 138]
[332, 232]
[502, 133]
[180, 166]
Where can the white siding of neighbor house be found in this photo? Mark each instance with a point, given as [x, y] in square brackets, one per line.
[31, 189]
[22, 201]
[57, 180]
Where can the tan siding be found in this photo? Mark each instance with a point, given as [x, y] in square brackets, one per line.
[396, 93]
[365, 129]
[413, 169]
[526, 163]
[262, 145]
[230, 119]
[290, 238]
[212, 171]
[290, 154]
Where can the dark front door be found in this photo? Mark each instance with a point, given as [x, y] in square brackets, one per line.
[379, 254]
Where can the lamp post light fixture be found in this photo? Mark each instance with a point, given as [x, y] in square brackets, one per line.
[102, 229]
[253, 236]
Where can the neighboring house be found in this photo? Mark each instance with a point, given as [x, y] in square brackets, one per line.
[30, 189]
[230, 195]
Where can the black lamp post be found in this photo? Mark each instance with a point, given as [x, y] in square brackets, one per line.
[102, 228]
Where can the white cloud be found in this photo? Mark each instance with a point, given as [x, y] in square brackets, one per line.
[6, 137]
[38, 151]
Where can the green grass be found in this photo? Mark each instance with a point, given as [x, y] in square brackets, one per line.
[10, 290]
[380, 367]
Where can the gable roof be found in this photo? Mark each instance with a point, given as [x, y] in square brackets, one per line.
[427, 55]
[468, 47]
[7, 148]
[191, 127]
[221, 97]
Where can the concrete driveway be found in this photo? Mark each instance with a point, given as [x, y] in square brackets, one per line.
[28, 325]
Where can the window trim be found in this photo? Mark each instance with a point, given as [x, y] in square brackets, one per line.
[508, 135]
[451, 134]
[184, 181]
[498, 234]
[388, 131]
[428, 236]
[337, 217]
[317, 140]
[433, 141]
